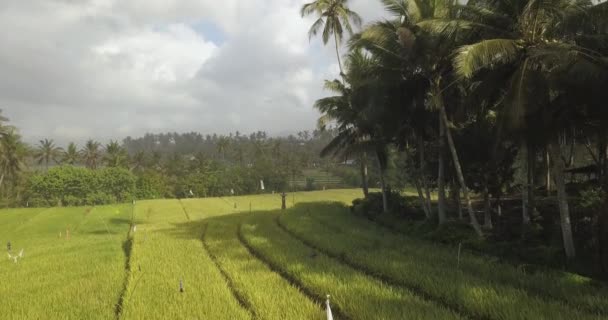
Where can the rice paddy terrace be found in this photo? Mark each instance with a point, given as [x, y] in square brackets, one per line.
[244, 258]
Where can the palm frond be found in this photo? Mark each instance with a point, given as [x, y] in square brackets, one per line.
[314, 29]
[485, 54]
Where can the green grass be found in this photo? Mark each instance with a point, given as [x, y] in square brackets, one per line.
[162, 255]
[59, 278]
[253, 280]
[243, 258]
[474, 287]
[356, 295]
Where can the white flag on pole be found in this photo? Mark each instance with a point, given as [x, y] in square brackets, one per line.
[328, 309]
[262, 184]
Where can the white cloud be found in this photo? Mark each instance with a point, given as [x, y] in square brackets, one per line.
[108, 68]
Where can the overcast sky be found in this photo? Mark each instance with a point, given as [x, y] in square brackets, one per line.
[74, 69]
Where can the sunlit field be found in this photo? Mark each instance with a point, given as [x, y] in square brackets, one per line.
[245, 258]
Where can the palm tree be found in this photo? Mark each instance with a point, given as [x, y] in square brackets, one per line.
[357, 111]
[115, 155]
[138, 161]
[47, 151]
[419, 41]
[71, 155]
[91, 153]
[333, 17]
[535, 43]
[222, 146]
[12, 157]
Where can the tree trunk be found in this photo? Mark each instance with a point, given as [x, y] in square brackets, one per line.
[458, 201]
[548, 172]
[421, 198]
[562, 199]
[458, 167]
[525, 214]
[531, 179]
[602, 146]
[487, 222]
[422, 173]
[441, 174]
[364, 183]
[383, 186]
[338, 55]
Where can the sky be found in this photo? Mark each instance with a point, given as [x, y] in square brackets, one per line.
[106, 69]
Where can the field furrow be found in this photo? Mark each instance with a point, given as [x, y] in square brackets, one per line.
[574, 290]
[357, 295]
[264, 291]
[474, 295]
[167, 252]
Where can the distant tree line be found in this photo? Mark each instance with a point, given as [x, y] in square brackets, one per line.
[166, 165]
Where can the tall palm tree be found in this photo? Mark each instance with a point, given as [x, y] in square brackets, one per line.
[534, 42]
[46, 152]
[12, 157]
[356, 112]
[333, 17]
[222, 146]
[138, 161]
[91, 154]
[71, 155]
[115, 155]
[419, 41]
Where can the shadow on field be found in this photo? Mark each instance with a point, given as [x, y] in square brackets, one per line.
[194, 229]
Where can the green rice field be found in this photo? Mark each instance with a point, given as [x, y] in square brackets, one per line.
[245, 258]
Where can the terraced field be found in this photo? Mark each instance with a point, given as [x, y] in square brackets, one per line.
[244, 258]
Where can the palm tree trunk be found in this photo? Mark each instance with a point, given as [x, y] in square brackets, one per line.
[458, 167]
[525, 214]
[427, 213]
[422, 173]
[548, 172]
[383, 186]
[458, 200]
[602, 146]
[441, 174]
[531, 180]
[487, 209]
[364, 183]
[562, 199]
[338, 56]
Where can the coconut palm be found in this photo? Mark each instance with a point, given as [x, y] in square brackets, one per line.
[115, 155]
[333, 17]
[71, 155]
[222, 146]
[46, 152]
[534, 44]
[419, 42]
[355, 110]
[12, 157]
[91, 154]
[138, 161]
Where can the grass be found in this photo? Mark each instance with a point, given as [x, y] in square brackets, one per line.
[355, 294]
[162, 256]
[475, 287]
[60, 278]
[267, 294]
[243, 258]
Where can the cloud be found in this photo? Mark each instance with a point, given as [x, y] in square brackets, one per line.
[105, 69]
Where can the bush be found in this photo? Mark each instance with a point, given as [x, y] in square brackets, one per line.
[398, 205]
[74, 186]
